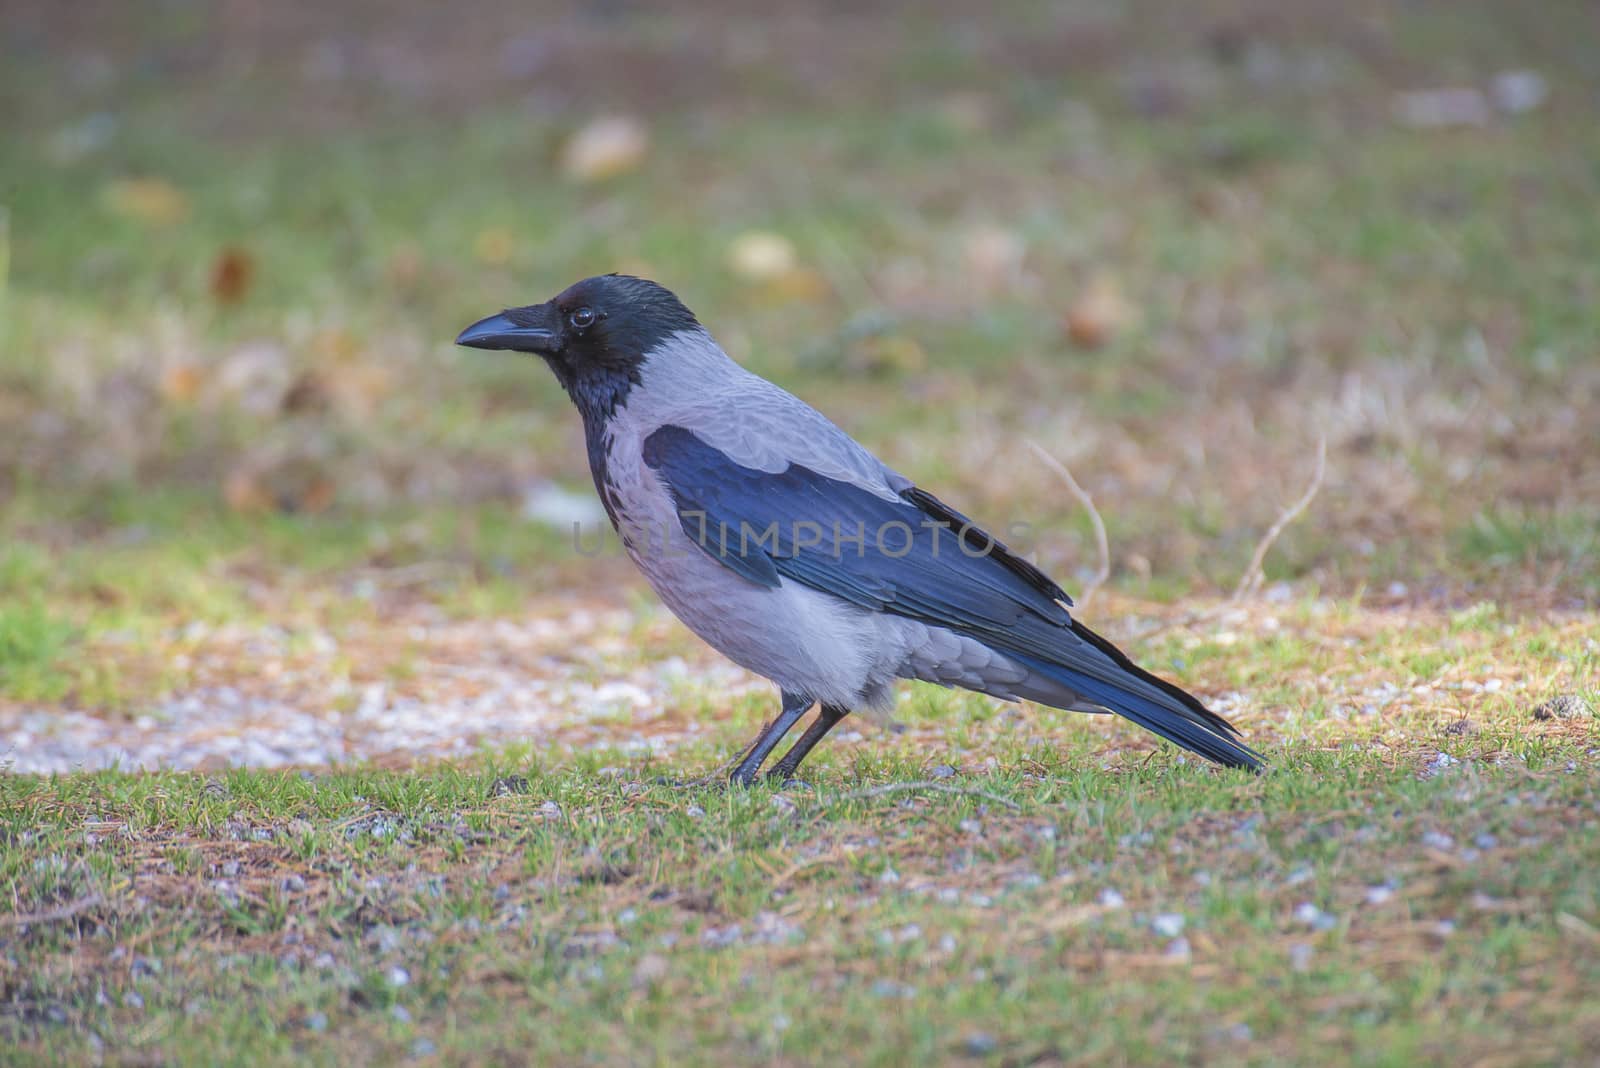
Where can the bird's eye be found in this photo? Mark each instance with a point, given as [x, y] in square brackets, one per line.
[582, 319]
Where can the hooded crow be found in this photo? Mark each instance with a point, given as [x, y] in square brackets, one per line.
[794, 551]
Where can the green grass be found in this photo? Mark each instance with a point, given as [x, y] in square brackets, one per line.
[31, 646]
[1407, 881]
[1335, 909]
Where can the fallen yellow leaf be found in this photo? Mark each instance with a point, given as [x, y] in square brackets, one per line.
[148, 200]
[604, 148]
[761, 256]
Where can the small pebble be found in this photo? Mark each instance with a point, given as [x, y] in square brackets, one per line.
[720, 937]
[980, 1044]
[942, 771]
[1167, 924]
[317, 1021]
[1110, 899]
[1517, 91]
[651, 969]
[423, 1047]
[1440, 762]
[1563, 706]
[509, 786]
[400, 1013]
[398, 976]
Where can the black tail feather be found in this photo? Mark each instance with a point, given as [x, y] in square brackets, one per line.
[1100, 672]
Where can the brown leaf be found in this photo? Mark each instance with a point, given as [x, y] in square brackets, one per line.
[307, 394]
[318, 496]
[231, 274]
[181, 382]
[290, 485]
[243, 491]
[1099, 312]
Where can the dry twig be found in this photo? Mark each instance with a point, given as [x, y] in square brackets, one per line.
[1102, 544]
[60, 912]
[924, 784]
[1253, 576]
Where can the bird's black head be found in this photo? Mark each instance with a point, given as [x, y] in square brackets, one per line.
[594, 335]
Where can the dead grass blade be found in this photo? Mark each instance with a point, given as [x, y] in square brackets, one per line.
[932, 787]
[60, 912]
[1102, 543]
[1253, 575]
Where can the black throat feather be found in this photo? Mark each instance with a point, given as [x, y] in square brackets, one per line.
[598, 393]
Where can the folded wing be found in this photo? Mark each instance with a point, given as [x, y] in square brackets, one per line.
[914, 556]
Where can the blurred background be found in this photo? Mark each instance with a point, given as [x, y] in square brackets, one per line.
[1173, 245]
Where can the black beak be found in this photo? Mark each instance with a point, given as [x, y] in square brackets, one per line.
[519, 329]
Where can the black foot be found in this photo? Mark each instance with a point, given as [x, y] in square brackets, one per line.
[783, 770]
[794, 706]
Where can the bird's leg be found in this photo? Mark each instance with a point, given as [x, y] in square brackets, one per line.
[794, 706]
[826, 719]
